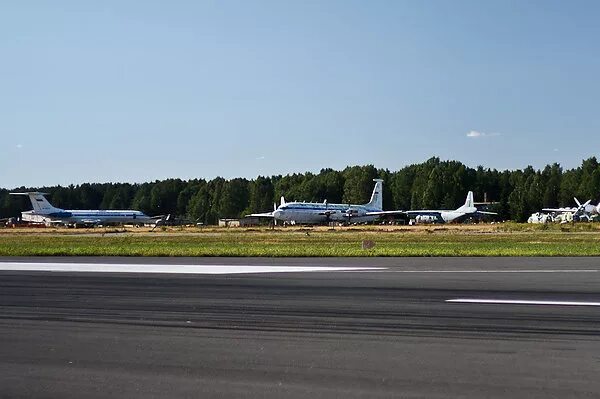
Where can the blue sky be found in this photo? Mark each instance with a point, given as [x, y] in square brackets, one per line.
[144, 90]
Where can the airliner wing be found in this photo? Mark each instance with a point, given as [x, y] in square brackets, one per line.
[328, 213]
[384, 213]
[487, 213]
[423, 212]
[91, 221]
[261, 215]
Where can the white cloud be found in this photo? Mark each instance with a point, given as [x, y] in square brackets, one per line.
[476, 134]
[261, 157]
[19, 146]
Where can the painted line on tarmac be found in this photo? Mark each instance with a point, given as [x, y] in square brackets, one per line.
[176, 269]
[522, 302]
[500, 271]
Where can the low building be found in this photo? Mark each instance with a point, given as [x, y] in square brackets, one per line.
[229, 222]
[243, 222]
[251, 221]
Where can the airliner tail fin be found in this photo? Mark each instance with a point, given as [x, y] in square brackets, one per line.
[377, 195]
[39, 203]
[469, 203]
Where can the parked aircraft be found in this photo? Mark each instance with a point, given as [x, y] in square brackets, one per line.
[310, 212]
[323, 212]
[44, 212]
[585, 210]
[447, 216]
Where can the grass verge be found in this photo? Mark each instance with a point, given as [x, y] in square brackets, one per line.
[281, 243]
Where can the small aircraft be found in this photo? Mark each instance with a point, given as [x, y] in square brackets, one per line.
[448, 216]
[324, 212]
[44, 212]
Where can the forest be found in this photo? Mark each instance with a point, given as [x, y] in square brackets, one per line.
[433, 184]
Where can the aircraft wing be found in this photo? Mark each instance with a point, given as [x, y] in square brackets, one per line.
[487, 213]
[261, 215]
[423, 212]
[91, 221]
[384, 213]
[328, 212]
[559, 209]
[54, 221]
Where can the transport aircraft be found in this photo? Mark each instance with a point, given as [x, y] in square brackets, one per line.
[44, 212]
[447, 216]
[323, 212]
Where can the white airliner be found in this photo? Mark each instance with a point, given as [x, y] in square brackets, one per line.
[44, 212]
[323, 212]
[448, 216]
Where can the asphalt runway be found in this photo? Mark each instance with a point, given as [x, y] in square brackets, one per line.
[230, 328]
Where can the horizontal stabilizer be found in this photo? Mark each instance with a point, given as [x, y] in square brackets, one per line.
[29, 193]
[39, 203]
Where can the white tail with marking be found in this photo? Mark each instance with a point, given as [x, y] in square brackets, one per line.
[39, 203]
[377, 195]
[469, 205]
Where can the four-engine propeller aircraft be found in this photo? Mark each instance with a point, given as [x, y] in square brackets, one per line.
[447, 216]
[324, 212]
[44, 212]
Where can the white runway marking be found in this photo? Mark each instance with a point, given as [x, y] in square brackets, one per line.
[501, 271]
[523, 302]
[165, 268]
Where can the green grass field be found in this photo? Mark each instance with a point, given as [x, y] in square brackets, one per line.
[442, 241]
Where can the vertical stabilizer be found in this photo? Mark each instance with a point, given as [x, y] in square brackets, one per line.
[39, 203]
[377, 195]
[469, 205]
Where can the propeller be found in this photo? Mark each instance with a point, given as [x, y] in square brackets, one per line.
[327, 212]
[349, 213]
[580, 206]
[161, 220]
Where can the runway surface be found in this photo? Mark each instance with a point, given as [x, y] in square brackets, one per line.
[296, 328]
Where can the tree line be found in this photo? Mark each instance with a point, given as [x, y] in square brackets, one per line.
[433, 184]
